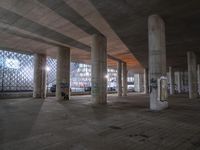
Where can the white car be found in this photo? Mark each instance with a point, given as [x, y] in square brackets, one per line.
[131, 88]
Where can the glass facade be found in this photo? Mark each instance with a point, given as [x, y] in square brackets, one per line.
[16, 73]
[80, 75]
[112, 79]
[51, 74]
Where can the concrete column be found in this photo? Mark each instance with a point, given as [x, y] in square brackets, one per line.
[63, 73]
[139, 82]
[198, 77]
[179, 82]
[125, 79]
[99, 69]
[39, 87]
[137, 85]
[157, 59]
[145, 81]
[119, 78]
[192, 75]
[185, 82]
[182, 81]
[171, 81]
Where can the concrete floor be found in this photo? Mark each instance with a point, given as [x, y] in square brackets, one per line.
[124, 124]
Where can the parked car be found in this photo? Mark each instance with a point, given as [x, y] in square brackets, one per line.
[53, 88]
[86, 89]
[111, 89]
[131, 88]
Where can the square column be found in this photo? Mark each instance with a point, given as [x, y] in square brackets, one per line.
[192, 75]
[39, 87]
[63, 74]
[171, 81]
[99, 69]
[157, 60]
[198, 77]
[119, 78]
[124, 79]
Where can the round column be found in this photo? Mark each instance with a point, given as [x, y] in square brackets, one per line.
[99, 69]
[124, 79]
[63, 74]
[192, 75]
[171, 81]
[39, 87]
[119, 78]
[157, 59]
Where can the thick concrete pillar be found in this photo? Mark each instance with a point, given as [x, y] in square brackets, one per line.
[119, 78]
[125, 79]
[179, 81]
[171, 81]
[157, 59]
[63, 73]
[145, 81]
[198, 77]
[39, 87]
[99, 69]
[192, 75]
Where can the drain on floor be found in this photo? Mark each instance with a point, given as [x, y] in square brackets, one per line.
[115, 127]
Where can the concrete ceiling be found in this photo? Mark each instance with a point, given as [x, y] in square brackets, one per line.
[128, 18]
[44, 25]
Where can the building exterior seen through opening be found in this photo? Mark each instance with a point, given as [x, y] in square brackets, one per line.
[17, 75]
[99, 75]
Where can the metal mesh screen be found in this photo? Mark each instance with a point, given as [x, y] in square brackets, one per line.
[51, 75]
[112, 78]
[16, 71]
[1, 70]
[80, 75]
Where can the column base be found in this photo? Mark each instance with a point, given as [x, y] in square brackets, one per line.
[98, 101]
[39, 96]
[158, 105]
[67, 98]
